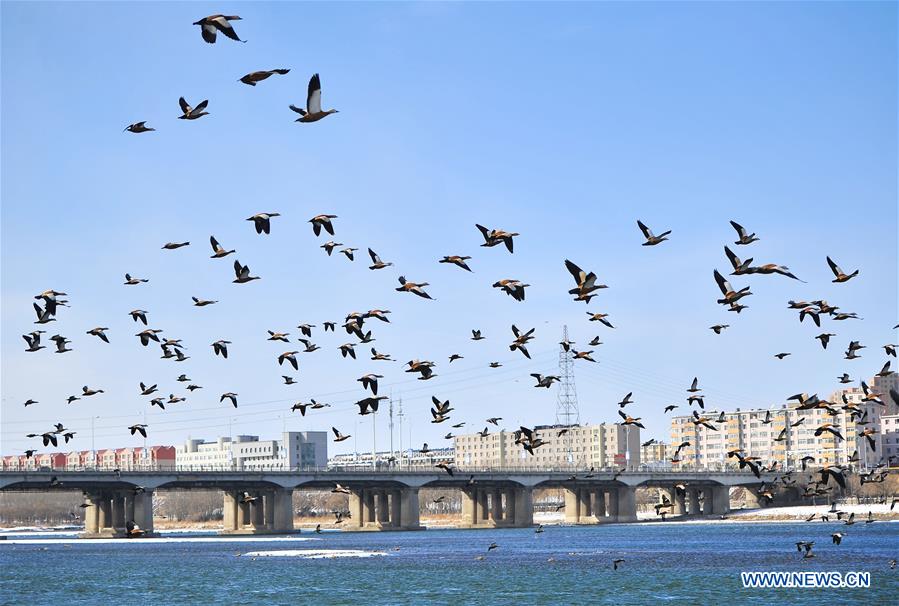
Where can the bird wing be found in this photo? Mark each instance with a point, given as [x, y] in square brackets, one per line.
[576, 272]
[374, 257]
[723, 284]
[208, 33]
[834, 267]
[215, 243]
[298, 110]
[646, 231]
[314, 95]
[734, 259]
[200, 107]
[182, 102]
[740, 231]
[222, 24]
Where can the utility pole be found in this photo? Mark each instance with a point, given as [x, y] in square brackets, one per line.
[567, 413]
[392, 453]
[400, 415]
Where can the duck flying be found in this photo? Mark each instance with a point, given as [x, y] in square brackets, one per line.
[745, 238]
[262, 222]
[138, 127]
[192, 113]
[839, 274]
[652, 240]
[313, 111]
[243, 273]
[457, 260]
[322, 221]
[217, 251]
[253, 77]
[493, 237]
[211, 25]
[413, 287]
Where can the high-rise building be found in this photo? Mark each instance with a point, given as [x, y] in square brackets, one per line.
[786, 437]
[655, 454]
[579, 446]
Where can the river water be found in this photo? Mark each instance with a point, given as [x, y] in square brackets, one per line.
[676, 563]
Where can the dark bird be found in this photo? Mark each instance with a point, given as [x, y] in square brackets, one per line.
[243, 273]
[718, 328]
[174, 245]
[263, 222]
[824, 337]
[339, 437]
[139, 314]
[192, 113]
[617, 562]
[230, 396]
[253, 77]
[782, 355]
[376, 262]
[320, 222]
[220, 348]
[217, 251]
[129, 281]
[99, 332]
[138, 127]
[139, 428]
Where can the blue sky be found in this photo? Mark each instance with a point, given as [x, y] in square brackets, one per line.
[564, 122]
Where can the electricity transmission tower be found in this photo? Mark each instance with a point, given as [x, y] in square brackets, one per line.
[567, 413]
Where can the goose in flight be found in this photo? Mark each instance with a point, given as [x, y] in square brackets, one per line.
[138, 428]
[138, 127]
[370, 381]
[745, 238]
[493, 237]
[376, 261]
[174, 245]
[99, 333]
[330, 245]
[34, 340]
[457, 260]
[139, 314]
[652, 240]
[413, 287]
[253, 77]
[43, 315]
[544, 381]
[339, 437]
[279, 336]
[289, 356]
[369, 405]
[598, 317]
[192, 113]
[230, 396]
[147, 335]
[129, 281]
[313, 111]
[262, 222]
[217, 251]
[220, 348]
[202, 302]
[717, 328]
[840, 276]
[586, 282]
[323, 221]
[513, 288]
[211, 25]
[243, 273]
[730, 295]
[629, 420]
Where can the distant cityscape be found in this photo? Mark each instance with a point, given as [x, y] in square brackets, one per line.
[868, 424]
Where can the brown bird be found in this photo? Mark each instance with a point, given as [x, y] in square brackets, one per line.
[212, 24]
[289, 356]
[243, 273]
[413, 287]
[339, 437]
[492, 237]
[253, 77]
[745, 238]
[598, 317]
[202, 302]
[376, 262]
[174, 245]
[652, 240]
[99, 332]
[456, 260]
[313, 111]
[840, 275]
[730, 295]
[513, 288]
[129, 281]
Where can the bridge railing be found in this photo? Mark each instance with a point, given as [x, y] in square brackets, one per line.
[390, 470]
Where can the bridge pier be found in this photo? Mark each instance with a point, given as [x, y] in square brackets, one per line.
[497, 506]
[678, 501]
[719, 496]
[108, 512]
[384, 509]
[271, 512]
[693, 501]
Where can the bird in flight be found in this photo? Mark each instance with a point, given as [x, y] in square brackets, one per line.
[211, 25]
[313, 111]
[253, 77]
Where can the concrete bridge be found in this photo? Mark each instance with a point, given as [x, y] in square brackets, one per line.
[385, 500]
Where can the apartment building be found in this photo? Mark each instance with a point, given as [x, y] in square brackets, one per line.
[294, 450]
[600, 446]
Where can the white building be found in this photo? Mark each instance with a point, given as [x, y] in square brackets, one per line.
[295, 450]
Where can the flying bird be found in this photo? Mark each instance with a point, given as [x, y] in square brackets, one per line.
[212, 24]
[262, 222]
[253, 77]
[192, 113]
[652, 240]
[138, 127]
[313, 111]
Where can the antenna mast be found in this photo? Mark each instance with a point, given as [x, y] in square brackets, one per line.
[567, 413]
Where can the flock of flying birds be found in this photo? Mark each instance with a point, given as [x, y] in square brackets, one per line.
[585, 289]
